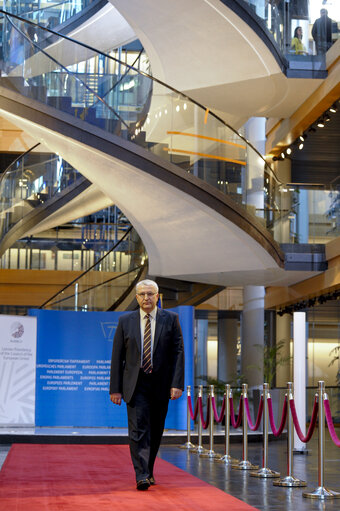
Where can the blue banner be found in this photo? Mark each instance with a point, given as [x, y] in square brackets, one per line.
[73, 369]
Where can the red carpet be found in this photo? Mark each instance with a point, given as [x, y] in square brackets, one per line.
[99, 478]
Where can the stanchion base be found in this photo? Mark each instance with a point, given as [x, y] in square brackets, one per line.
[210, 454]
[289, 481]
[321, 493]
[228, 460]
[198, 449]
[245, 465]
[301, 451]
[187, 445]
[265, 473]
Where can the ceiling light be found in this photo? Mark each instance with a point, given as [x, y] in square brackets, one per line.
[321, 123]
[283, 156]
[301, 146]
[327, 117]
[289, 151]
[333, 109]
[302, 138]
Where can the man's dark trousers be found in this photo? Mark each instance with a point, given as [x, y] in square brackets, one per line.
[146, 418]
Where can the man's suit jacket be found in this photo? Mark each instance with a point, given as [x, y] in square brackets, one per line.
[168, 355]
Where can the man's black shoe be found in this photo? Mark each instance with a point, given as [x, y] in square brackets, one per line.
[143, 484]
[152, 480]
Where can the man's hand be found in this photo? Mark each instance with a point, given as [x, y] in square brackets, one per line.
[175, 393]
[116, 398]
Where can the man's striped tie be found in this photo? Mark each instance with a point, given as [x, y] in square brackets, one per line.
[147, 367]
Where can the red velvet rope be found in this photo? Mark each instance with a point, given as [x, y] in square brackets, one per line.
[236, 424]
[255, 426]
[312, 420]
[193, 415]
[330, 424]
[277, 432]
[218, 418]
[206, 423]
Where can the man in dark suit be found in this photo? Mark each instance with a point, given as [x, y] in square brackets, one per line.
[322, 32]
[147, 369]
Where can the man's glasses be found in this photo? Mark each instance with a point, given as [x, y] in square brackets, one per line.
[146, 295]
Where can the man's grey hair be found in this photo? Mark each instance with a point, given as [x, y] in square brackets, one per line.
[147, 282]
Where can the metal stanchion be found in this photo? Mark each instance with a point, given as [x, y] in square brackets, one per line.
[199, 448]
[210, 453]
[290, 480]
[265, 471]
[188, 444]
[321, 492]
[227, 459]
[244, 464]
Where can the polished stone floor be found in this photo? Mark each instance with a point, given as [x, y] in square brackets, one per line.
[260, 493]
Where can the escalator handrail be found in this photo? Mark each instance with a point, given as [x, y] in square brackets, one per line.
[89, 269]
[143, 73]
[22, 155]
[115, 277]
[100, 99]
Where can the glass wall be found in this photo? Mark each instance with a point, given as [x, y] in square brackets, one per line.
[300, 27]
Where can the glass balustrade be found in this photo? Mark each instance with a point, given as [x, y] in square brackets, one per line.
[291, 25]
[70, 247]
[308, 214]
[143, 110]
[99, 288]
[48, 14]
[29, 182]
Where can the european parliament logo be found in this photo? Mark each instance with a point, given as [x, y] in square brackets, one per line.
[108, 329]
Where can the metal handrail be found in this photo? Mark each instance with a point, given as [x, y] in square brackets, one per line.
[143, 73]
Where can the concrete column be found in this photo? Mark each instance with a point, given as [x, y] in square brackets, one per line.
[253, 296]
[253, 333]
[227, 349]
[283, 333]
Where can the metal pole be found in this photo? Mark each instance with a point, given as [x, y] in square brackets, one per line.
[211, 453]
[188, 444]
[227, 459]
[76, 296]
[199, 448]
[290, 480]
[244, 464]
[264, 471]
[321, 492]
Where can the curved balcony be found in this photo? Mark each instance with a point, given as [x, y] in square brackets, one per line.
[139, 122]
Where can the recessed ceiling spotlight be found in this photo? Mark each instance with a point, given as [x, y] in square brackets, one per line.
[333, 108]
[302, 138]
[321, 123]
[283, 156]
[301, 146]
[289, 151]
